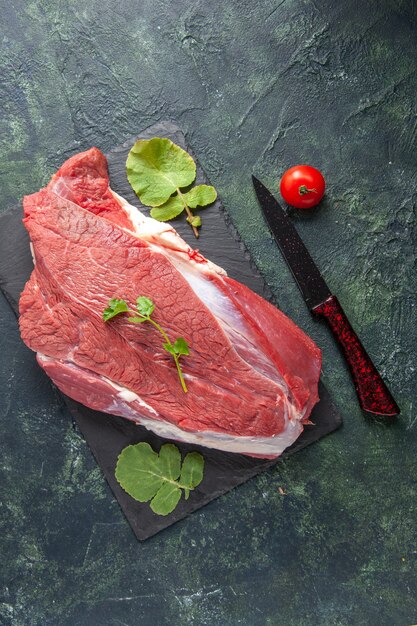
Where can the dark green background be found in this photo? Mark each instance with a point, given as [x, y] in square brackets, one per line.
[256, 86]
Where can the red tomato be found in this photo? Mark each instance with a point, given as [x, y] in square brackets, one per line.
[302, 186]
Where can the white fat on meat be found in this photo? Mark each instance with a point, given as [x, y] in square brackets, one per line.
[165, 239]
[125, 404]
[163, 236]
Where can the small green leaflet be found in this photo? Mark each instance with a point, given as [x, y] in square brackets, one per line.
[115, 307]
[158, 169]
[192, 471]
[181, 346]
[172, 208]
[166, 499]
[194, 221]
[159, 478]
[178, 348]
[201, 195]
[145, 306]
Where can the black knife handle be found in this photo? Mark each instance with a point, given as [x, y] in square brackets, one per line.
[374, 395]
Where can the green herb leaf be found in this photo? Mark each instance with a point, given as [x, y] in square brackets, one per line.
[145, 306]
[146, 475]
[169, 348]
[201, 195]
[167, 211]
[194, 221]
[156, 168]
[138, 471]
[181, 346]
[170, 461]
[115, 307]
[166, 499]
[192, 470]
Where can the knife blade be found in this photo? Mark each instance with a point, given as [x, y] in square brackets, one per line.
[373, 394]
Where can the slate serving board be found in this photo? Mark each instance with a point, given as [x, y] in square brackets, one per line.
[107, 435]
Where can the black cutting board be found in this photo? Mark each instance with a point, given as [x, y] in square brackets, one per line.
[107, 435]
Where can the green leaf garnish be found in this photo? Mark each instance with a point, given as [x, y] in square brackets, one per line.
[170, 461]
[166, 499]
[158, 169]
[201, 195]
[181, 346]
[169, 348]
[145, 306]
[146, 475]
[192, 470]
[167, 211]
[144, 309]
[137, 471]
[194, 221]
[115, 307]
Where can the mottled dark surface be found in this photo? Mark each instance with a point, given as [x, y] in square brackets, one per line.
[257, 86]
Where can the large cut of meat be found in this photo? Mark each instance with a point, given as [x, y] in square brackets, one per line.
[252, 374]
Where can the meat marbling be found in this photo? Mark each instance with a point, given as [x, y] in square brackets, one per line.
[252, 374]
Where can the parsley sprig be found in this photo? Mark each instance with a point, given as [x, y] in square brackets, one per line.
[144, 309]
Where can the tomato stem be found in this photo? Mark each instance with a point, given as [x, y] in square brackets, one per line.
[303, 190]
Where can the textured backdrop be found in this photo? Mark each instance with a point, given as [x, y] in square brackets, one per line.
[257, 86]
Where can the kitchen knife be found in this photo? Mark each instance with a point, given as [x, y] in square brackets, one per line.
[374, 396]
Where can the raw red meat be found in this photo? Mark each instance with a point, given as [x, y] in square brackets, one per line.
[252, 374]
